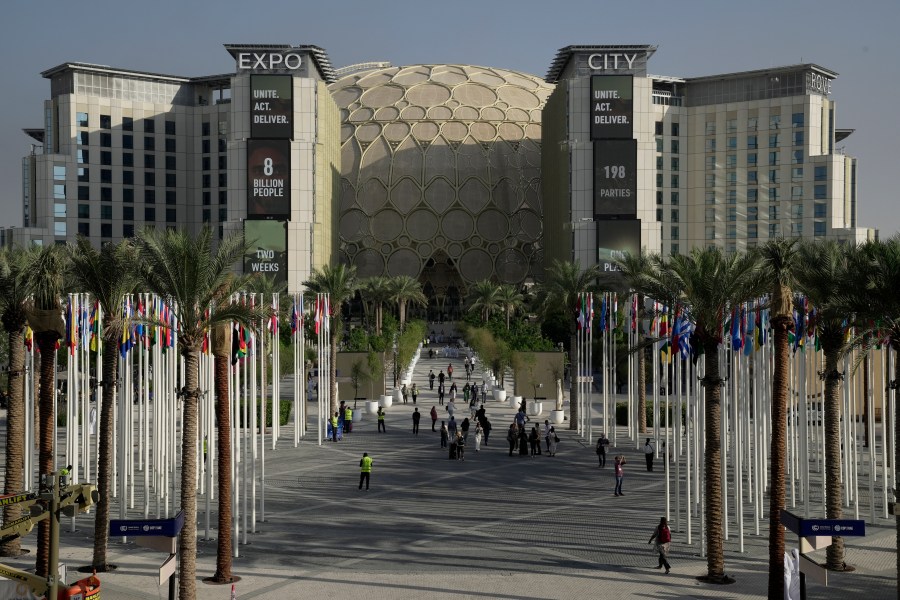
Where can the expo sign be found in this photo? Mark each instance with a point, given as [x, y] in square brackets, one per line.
[268, 61]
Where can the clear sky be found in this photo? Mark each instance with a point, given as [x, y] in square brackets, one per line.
[859, 40]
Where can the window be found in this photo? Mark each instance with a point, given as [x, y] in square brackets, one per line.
[149, 178]
[820, 173]
[206, 163]
[127, 124]
[773, 175]
[106, 211]
[659, 144]
[732, 143]
[675, 249]
[84, 174]
[81, 120]
[659, 214]
[59, 228]
[752, 177]
[798, 138]
[676, 130]
[84, 192]
[206, 199]
[796, 192]
[128, 230]
[731, 161]
[204, 145]
[170, 144]
[659, 163]
[674, 180]
[106, 194]
[170, 180]
[149, 196]
[773, 194]
[710, 163]
[658, 130]
[797, 119]
[820, 191]
[171, 215]
[819, 228]
[149, 143]
[731, 178]
[128, 213]
[751, 159]
[774, 230]
[128, 195]
[82, 156]
[752, 195]
[149, 126]
[797, 174]
[797, 157]
[659, 197]
[128, 142]
[773, 212]
[797, 210]
[59, 191]
[774, 121]
[752, 123]
[710, 232]
[206, 215]
[731, 196]
[105, 122]
[731, 232]
[106, 140]
[674, 232]
[710, 215]
[673, 215]
[223, 214]
[675, 147]
[752, 142]
[84, 229]
[106, 230]
[149, 214]
[127, 159]
[710, 180]
[82, 138]
[171, 197]
[149, 161]
[710, 197]
[106, 157]
[170, 127]
[204, 128]
[752, 231]
[170, 162]
[731, 213]
[127, 177]
[710, 128]
[673, 198]
[773, 157]
[659, 180]
[59, 173]
[731, 125]
[223, 197]
[84, 211]
[59, 210]
[223, 146]
[711, 145]
[752, 213]
[773, 140]
[207, 180]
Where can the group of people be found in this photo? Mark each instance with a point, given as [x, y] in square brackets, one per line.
[529, 443]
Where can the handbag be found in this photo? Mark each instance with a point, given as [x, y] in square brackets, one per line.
[556, 438]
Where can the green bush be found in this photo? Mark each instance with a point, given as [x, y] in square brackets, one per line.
[286, 407]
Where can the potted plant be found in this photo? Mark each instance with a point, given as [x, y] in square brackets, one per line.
[359, 374]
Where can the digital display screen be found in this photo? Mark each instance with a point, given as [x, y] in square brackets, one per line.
[615, 178]
[612, 107]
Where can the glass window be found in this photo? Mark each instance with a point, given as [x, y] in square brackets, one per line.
[127, 142]
[207, 180]
[732, 143]
[128, 230]
[731, 125]
[170, 127]
[149, 143]
[710, 197]
[149, 196]
[106, 140]
[710, 163]
[774, 121]
[774, 230]
[752, 231]
[731, 213]
[819, 228]
[673, 198]
[674, 180]
[659, 213]
[710, 180]
[675, 248]
[731, 232]
[773, 175]
[773, 212]
[223, 214]
[675, 147]
[127, 177]
[752, 123]
[149, 178]
[127, 159]
[820, 173]
[796, 192]
[752, 142]
[84, 229]
[106, 194]
[752, 195]
[731, 177]
[820, 192]
[731, 161]
[82, 156]
[223, 146]
[204, 145]
[171, 197]
[796, 173]
[710, 215]
[105, 122]
[81, 120]
[223, 197]
[149, 214]
[59, 173]
[674, 232]
[710, 232]
[170, 144]
[127, 124]
[797, 119]
[170, 180]
[207, 198]
[711, 145]
[171, 215]
[798, 138]
[84, 174]
[84, 192]
[149, 125]
[59, 228]
[106, 211]
[731, 196]
[106, 230]
[710, 128]
[206, 215]
[659, 163]
[773, 140]
[751, 159]
[752, 213]
[673, 215]
[206, 163]
[105, 157]
[773, 194]
[676, 130]
[659, 197]
[128, 195]
[170, 162]
[659, 180]
[797, 210]
[658, 129]
[84, 211]
[797, 157]
[773, 157]
[82, 138]
[59, 191]
[752, 177]
[59, 210]
[659, 144]
[128, 213]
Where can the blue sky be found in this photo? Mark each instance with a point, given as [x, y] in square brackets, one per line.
[857, 40]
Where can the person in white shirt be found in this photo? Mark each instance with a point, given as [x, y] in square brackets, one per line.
[546, 434]
[648, 454]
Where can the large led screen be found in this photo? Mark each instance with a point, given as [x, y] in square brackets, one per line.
[268, 179]
[615, 239]
[268, 249]
[612, 107]
[615, 179]
[271, 107]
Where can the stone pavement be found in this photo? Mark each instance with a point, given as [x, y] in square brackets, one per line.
[492, 526]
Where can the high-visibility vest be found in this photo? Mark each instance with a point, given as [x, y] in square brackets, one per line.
[333, 421]
[348, 415]
[381, 416]
[366, 464]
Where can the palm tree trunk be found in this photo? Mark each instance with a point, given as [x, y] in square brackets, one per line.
[778, 452]
[642, 372]
[46, 341]
[834, 554]
[105, 453]
[896, 346]
[187, 588]
[14, 481]
[573, 387]
[715, 558]
[223, 454]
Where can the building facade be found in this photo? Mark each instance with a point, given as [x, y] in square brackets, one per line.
[447, 173]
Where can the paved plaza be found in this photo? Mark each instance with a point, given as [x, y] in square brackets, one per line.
[492, 526]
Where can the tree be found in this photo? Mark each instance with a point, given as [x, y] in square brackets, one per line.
[376, 290]
[510, 300]
[779, 259]
[633, 268]
[14, 294]
[406, 290]
[823, 277]
[197, 282]
[340, 283]
[47, 272]
[108, 277]
[484, 298]
[708, 284]
[563, 282]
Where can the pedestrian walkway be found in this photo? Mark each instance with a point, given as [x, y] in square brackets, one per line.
[493, 526]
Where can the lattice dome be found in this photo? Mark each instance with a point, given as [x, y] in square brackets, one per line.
[440, 173]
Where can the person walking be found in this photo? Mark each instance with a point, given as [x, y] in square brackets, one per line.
[441, 378]
[479, 435]
[619, 472]
[602, 443]
[441, 393]
[663, 537]
[464, 428]
[648, 454]
[348, 419]
[433, 417]
[547, 434]
[365, 470]
[381, 425]
[405, 393]
[460, 447]
[334, 427]
[451, 427]
[416, 416]
[512, 436]
[445, 435]
[487, 430]
[415, 393]
[451, 408]
[554, 441]
[450, 371]
[430, 379]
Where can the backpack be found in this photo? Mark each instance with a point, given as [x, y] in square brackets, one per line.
[665, 536]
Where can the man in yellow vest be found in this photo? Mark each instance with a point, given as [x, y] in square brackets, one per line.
[365, 469]
[348, 420]
[334, 425]
[381, 426]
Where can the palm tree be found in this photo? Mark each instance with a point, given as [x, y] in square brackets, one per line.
[484, 298]
[108, 277]
[193, 278]
[707, 284]
[563, 282]
[510, 300]
[633, 268]
[780, 263]
[376, 290]
[340, 283]
[47, 272]
[406, 290]
[823, 277]
[14, 294]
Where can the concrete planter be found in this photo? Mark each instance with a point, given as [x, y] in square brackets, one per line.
[515, 402]
[557, 416]
[358, 413]
[535, 409]
[499, 394]
[385, 402]
[371, 407]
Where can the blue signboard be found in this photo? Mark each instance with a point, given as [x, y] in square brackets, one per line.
[142, 527]
[832, 527]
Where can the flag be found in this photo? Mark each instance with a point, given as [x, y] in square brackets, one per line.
[634, 312]
[294, 317]
[736, 338]
[665, 353]
[318, 314]
[664, 322]
[580, 308]
[603, 318]
[94, 323]
[71, 328]
[29, 338]
[685, 329]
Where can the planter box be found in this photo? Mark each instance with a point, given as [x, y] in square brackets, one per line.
[385, 402]
[515, 402]
[535, 409]
[500, 395]
[557, 417]
[371, 408]
[358, 413]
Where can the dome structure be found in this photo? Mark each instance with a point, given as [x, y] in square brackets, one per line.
[440, 174]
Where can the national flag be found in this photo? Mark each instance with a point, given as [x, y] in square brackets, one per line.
[684, 331]
[664, 323]
[29, 338]
[604, 308]
[318, 313]
[273, 318]
[736, 337]
[581, 310]
[94, 323]
[634, 312]
[665, 353]
[71, 328]
[294, 317]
